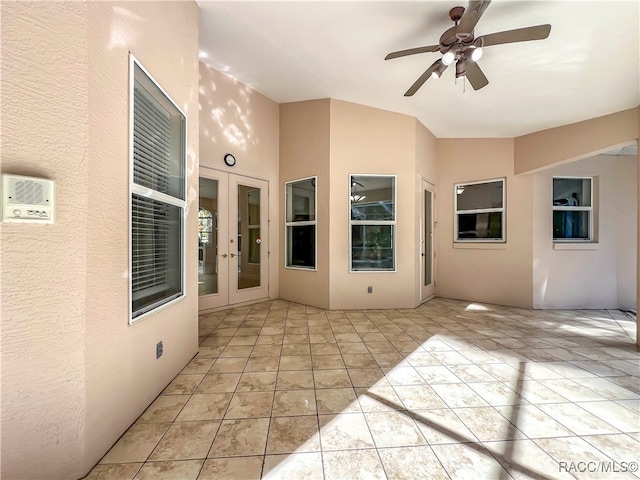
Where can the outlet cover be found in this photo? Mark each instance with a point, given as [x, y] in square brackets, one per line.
[159, 350]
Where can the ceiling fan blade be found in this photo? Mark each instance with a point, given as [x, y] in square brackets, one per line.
[423, 78]
[539, 32]
[471, 17]
[413, 51]
[475, 75]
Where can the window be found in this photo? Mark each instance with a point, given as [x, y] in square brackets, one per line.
[158, 145]
[372, 222]
[480, 211]
[572, 209]
[300, 223]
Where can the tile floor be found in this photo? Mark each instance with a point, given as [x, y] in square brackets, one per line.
[449, 390]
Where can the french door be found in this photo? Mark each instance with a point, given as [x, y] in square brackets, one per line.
[427, 251]
[232, 239]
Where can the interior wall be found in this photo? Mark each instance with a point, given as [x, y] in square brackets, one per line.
[238, 120]
[498, 273]
[592, 275]
[44, 73]
[304, 152]
[575, 141]
[365, 140]
[122, 374]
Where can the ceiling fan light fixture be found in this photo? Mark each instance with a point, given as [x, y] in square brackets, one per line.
[437, 73]
[476, 54]
[448, 58]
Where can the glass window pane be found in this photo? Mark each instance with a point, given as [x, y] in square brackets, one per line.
[570, 192]
[479, 196]
[480, 225]
[569, 224]
[301, 246]
[372, 198]
[301, 197]
[208, 237]
[372, 247]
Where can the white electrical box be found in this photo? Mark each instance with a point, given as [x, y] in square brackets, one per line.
[27, 199]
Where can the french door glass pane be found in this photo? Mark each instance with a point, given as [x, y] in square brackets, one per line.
[208, 237]
[372, 247]
[249, 237]
[427, 238]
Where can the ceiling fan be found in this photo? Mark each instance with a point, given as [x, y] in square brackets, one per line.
[458, 44]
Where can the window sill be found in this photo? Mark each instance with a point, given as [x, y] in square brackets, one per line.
[576, 246]
[481, 245]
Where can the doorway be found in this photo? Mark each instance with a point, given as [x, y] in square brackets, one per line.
[427, 251]
[232, 239]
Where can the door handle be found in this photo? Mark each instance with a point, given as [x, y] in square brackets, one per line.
[232, 255]
[224, 255]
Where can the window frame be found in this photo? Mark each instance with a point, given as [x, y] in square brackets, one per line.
[148, 193]
[304, 223]
[393, 223]
[575, 208]
[502, 210]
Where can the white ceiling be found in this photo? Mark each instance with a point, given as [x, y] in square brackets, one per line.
[292, 51]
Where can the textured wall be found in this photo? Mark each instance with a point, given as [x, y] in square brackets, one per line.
[45, 134]
[75, 373]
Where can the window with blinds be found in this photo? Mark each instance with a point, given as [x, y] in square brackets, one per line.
[157, 196]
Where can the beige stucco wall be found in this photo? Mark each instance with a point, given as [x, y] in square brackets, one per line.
[365, 140]
[567, 275]
[575, 141]
[44, 293]
[486, 272]
[304, 152]
[75, 373]
[238, 120]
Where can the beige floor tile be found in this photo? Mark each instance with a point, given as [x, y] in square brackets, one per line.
[388, 359]
[183, 384]
[298, 349]
[471, 373]
[295, 362]
[186, 440]
[265, 351]
[324, 349]
[250, 405]
[337, 400]
[572, 390]
[137, 443]
[331, 378]
[524, 460]
[262, 364]
[228, 365]
[290, 403]
[352, 464]
[270, 340]
[379, 399]
[620, 448]
[616, 415]
[394, 429]
[367, 377]
[205, 407]
[165, 408]
[533, 422]
[344, 431]
[468, 461]
[412, 463]
[209, 352]
[215, 341]
[293, 380]
[359, 360]
[404, 376]
[419, 397]
[257, 382]
[353, 348]
[609, 388]
[459, 395]
[116, 471]
[198, 365]
[535, 392]
[171, 470]
[293, 434]
[298, 466]
[219, 383]
[242, 351]
[242, 437]
[232, 468]
[439, 374]
[327, 362]
[633, 405]
[497, 393]
[442, 426]
[576, 419]
[488, 424]
[244, 340]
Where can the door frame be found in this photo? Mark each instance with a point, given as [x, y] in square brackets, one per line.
[228, 181]
[429, 291]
